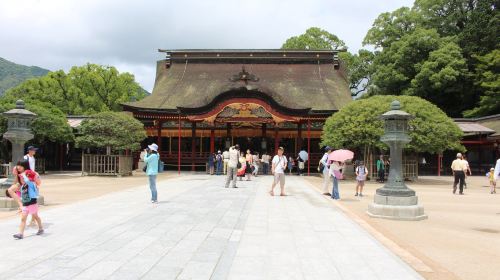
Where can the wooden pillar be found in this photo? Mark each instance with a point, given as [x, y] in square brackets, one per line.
[158, 135]
[299, 136]
[170, 145]
[193, 145]
[179, 147]
[276, 139]
[212, 140]
[264, 138]
[201, 143]
[309, 146]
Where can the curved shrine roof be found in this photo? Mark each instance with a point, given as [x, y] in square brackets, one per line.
[296, 80]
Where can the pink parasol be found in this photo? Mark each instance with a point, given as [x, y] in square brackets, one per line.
[341, 155]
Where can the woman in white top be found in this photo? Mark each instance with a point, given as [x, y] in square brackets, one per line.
[337, 175]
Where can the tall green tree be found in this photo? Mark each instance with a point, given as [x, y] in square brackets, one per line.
[487, 78]
[429, 50]
[476, 23]
[358, 125]
[314, 39]
[357, 66]
[84, 89]
[116, 131]
[389, 27]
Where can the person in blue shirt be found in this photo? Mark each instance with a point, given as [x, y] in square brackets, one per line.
[151, 159]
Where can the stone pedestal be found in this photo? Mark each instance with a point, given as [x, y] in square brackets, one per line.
[8, 204]
[396, 208]
[395, 200]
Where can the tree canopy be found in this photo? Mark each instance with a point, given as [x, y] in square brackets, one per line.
[117, 130]
[487, 78]
[314, 39]
[433, 50]
[84, 89]
[358, 125]
[357, 66]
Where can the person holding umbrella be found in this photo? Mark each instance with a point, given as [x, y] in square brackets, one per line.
[302, 159]
[336, 159]
[324, 166]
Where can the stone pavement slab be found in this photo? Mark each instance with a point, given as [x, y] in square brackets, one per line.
[199, 230]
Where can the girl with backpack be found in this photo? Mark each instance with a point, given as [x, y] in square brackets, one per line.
[361, 173]
[28, 185]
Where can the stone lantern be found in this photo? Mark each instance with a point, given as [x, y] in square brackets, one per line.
[18, 133]
[395, 200]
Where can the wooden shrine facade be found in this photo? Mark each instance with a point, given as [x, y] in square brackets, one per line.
[207, 100]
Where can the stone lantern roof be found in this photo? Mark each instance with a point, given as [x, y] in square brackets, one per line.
[396, 113]
[19, 110]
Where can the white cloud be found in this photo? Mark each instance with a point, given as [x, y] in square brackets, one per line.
[58, 34]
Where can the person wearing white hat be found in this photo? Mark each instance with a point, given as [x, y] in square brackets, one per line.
[151, 159]
[458, 167]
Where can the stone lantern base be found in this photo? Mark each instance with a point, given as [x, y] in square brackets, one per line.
[396, 208]
[7, 203]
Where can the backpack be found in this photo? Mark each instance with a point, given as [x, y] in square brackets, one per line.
[29, 190]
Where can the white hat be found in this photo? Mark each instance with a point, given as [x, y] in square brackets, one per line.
[459, 155]
[153, 147]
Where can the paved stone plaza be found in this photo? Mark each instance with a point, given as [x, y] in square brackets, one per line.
[199, 230]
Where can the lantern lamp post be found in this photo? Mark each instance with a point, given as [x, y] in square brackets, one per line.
[395, 200]
[18, 133]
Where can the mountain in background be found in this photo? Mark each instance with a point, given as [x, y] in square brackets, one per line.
[12, 74]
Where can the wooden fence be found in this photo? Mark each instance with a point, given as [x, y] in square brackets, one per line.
[5, 170]
[106, 165]
[410, 170]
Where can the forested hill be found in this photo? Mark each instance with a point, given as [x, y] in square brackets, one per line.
[12, 74]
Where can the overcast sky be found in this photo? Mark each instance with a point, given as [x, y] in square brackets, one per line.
[57, 34]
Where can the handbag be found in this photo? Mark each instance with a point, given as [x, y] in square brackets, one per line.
[338, 174]
[145, 168]
[321, 167]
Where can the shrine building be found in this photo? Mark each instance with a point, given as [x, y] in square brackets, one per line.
[207, 100]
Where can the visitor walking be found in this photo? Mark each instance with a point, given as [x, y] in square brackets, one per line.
[467, 171]
[291, 164]
[249, 165]
[458, 167]
[151, 160]
[361, 173]
[381, 169]
[218, 160]
[211, 163]
[225, 156]
[336, 173]
[278, 168]
[265, 163]
[28, 189]
[324, 169]
[493, 183]
[256, 162]
[302, 158]
[232, 165]
[30, 156]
